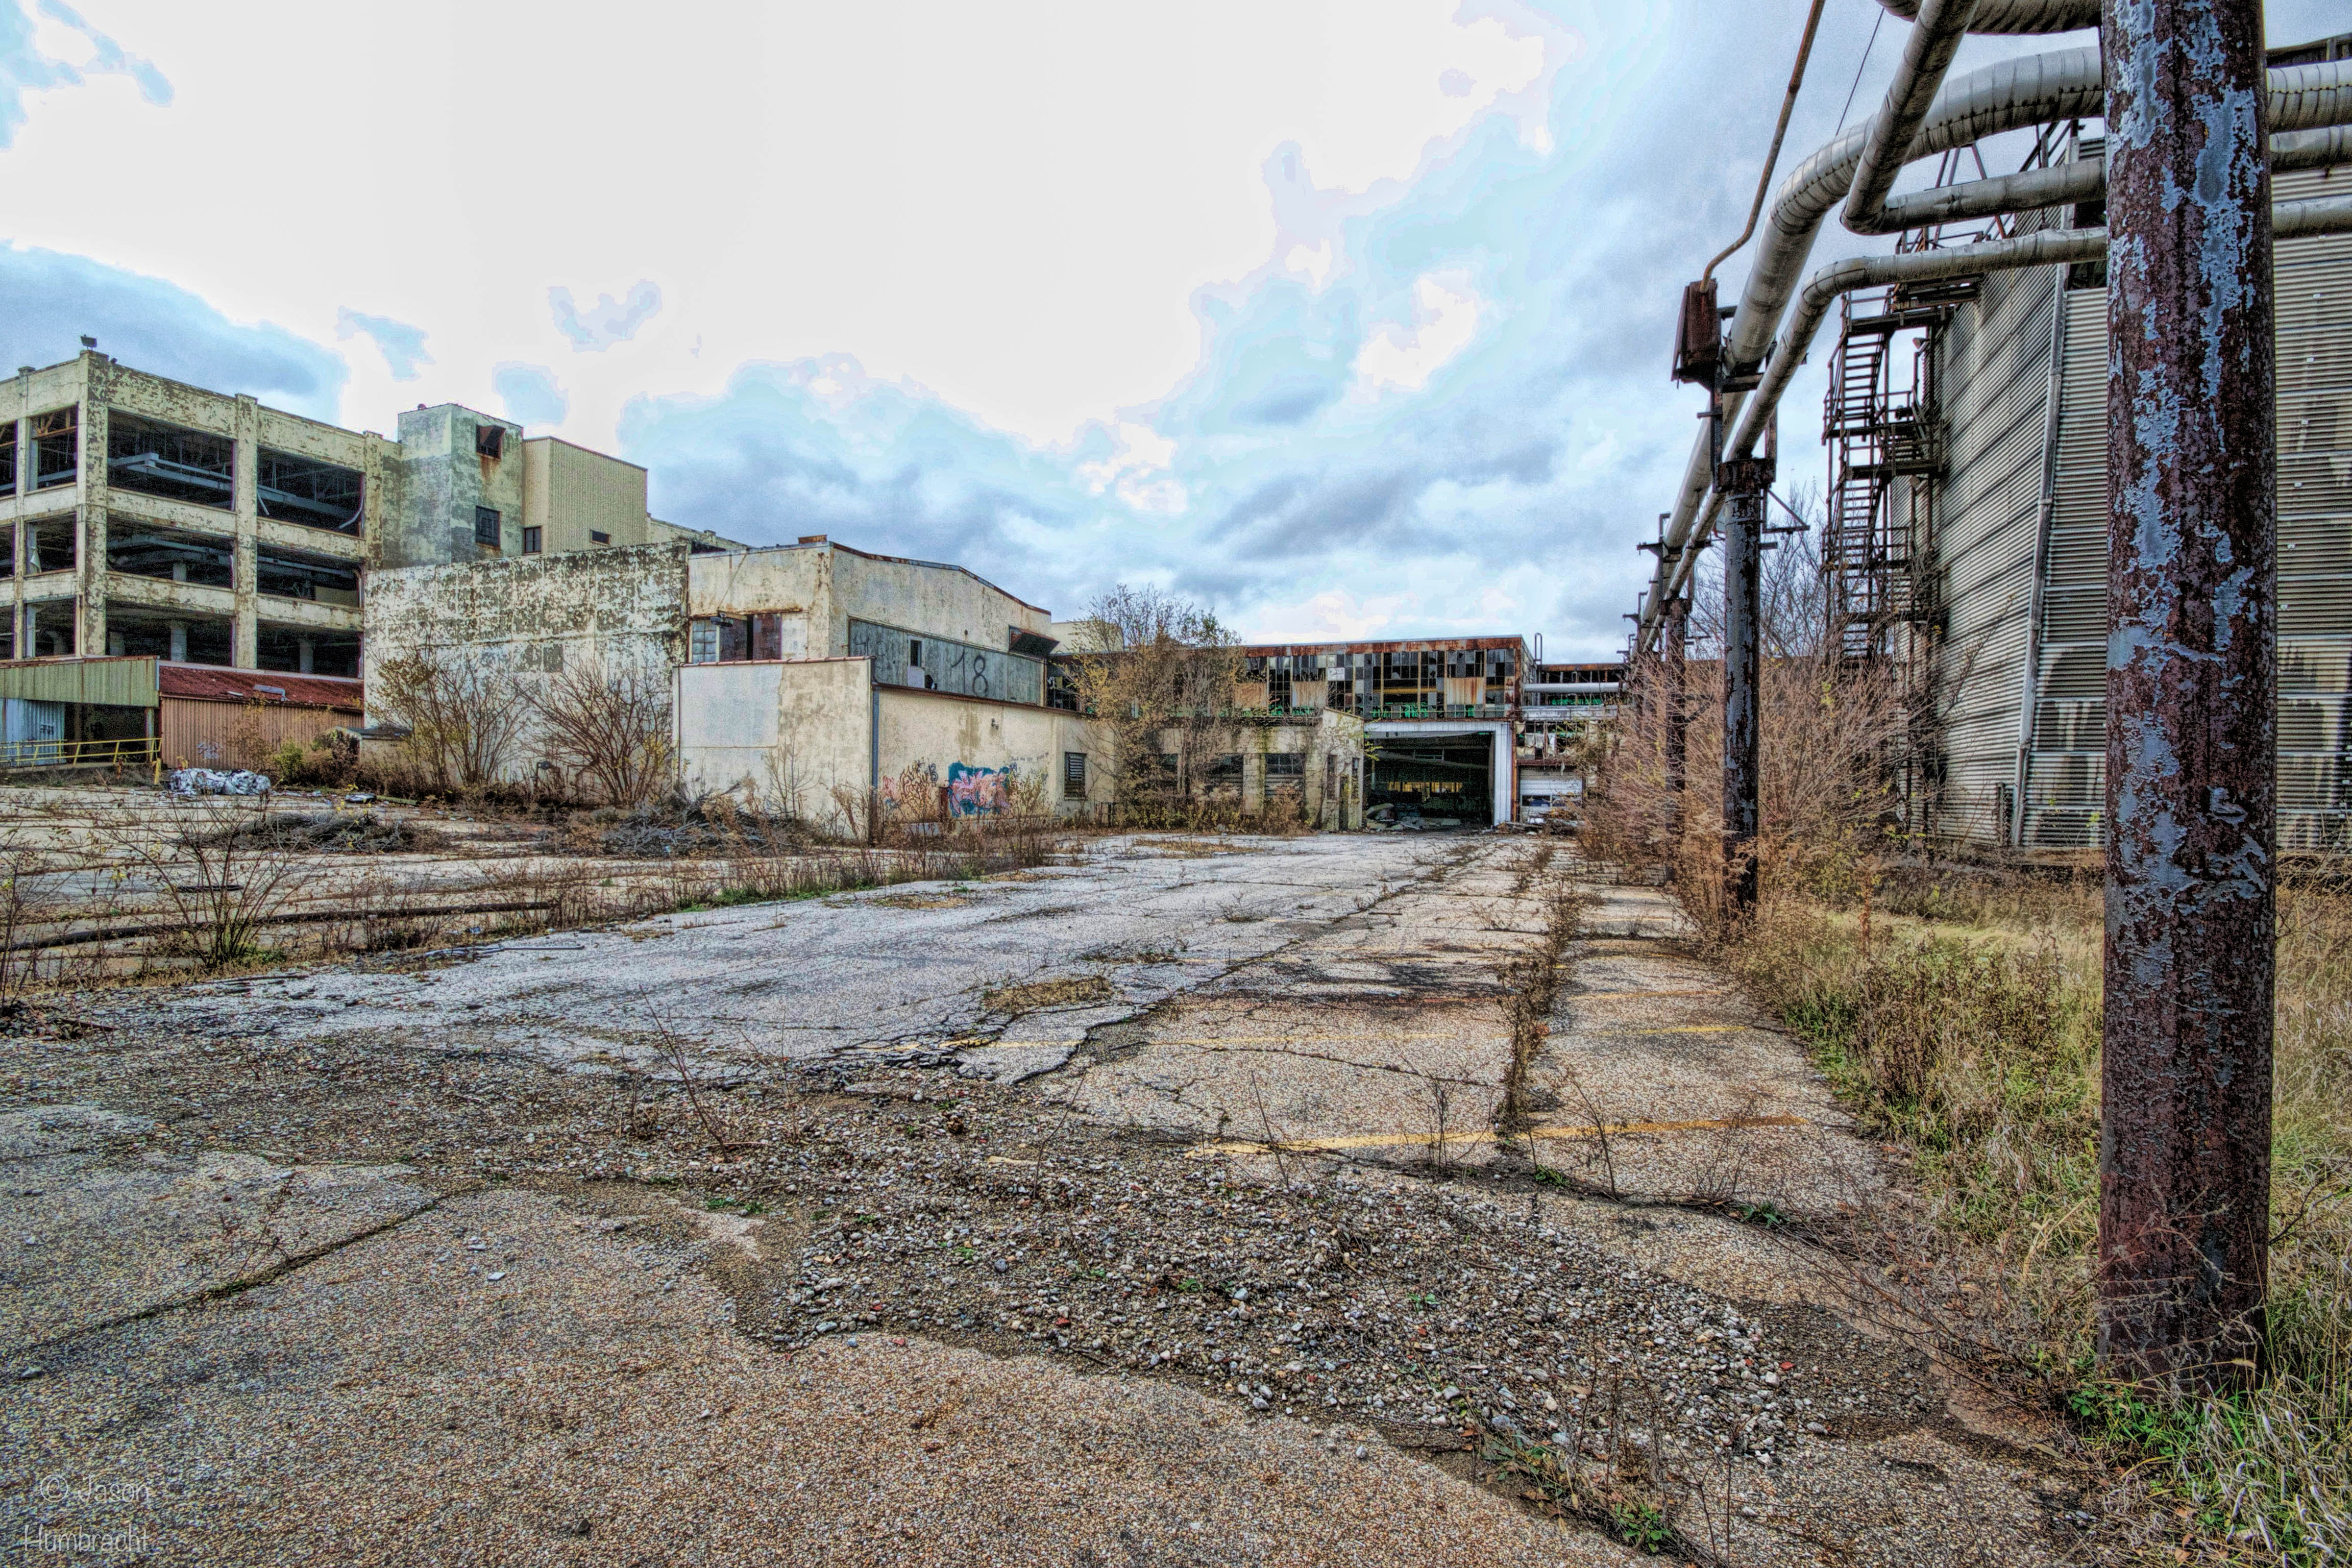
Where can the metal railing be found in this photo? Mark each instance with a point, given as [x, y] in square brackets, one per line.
[134, 751]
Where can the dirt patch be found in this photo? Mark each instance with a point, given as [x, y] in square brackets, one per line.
[337, 833]
[1079, 991]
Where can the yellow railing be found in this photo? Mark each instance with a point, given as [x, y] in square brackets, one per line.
[134, 751]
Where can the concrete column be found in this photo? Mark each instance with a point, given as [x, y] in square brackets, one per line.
[90, 549]
[309, 647]
[178, 641]
[247, 643]
[1253, 781]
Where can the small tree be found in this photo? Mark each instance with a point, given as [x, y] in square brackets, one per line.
[463, 719]
[1155, 675]
[612, 731]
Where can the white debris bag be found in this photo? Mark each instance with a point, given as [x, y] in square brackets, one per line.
[212, 781]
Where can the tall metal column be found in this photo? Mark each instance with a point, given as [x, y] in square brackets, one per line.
[1744, 482]
[2184, 1151]
[1674, 630]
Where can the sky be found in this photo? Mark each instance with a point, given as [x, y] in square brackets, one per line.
[1346, 319]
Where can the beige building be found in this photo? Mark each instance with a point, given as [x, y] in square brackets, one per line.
[828, 682]
[144, 517]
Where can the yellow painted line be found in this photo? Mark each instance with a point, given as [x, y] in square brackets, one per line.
[1461, 1139]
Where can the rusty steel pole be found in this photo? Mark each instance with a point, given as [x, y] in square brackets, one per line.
[1744, 482]
[1674, 634]
[2184, 1149]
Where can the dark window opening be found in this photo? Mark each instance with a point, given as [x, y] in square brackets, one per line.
[530, 537]
[596, 538]
[147, 634]
[49, 628]
[170, 461]
[305, 491]
[294, 574]
[1073, 775]
[8, 555]
[1224, 774]
[50, 546]
[721, 639]
[486, 526]
[490, 440]
[7, 458]
[768, 637]
[697, 547]
[56, 448]
[302, 650]
[171, 556]
[1286, 765]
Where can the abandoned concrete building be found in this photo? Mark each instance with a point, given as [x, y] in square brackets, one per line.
[816, 677]
[1561, 707]
[143, 516]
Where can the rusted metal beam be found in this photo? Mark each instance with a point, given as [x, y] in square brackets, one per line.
[1745, 482]
[2184, 1151]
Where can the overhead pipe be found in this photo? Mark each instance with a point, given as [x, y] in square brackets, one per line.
[2016, 15]
[1927, 56]
[2044, 248]
[2313, 103]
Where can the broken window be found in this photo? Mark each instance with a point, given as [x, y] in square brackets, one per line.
[7, 555]
[720, 639]
[942, 664]
[768, 637]
[296, 574]
[170, 461]
[702, 642]
[1224, 774]
[49, 628]
[530, 537]
[486, 526]
[50, 546]
[171, 555]
[1073, 775]
[1286, 765]
[8, 456]
[56, 448]
[306, 650]
[306, 491]
[490, 440]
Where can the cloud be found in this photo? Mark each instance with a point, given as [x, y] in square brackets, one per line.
[609, 322]
[157, 326]
[1443, 322]
[403, 346]
[56, 48]
[529, 393]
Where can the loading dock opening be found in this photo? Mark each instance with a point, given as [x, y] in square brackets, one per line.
[1456, 769]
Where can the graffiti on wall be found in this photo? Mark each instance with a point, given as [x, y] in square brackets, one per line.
[977, 792]
[914, 792]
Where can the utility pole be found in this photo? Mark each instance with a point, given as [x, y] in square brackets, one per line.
[1673, 633]
[1743, 481]
[2184, 1151]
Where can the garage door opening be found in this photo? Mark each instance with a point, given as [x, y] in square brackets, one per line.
[1445, 780]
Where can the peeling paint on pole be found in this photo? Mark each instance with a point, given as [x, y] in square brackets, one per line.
[2185, 1141]
[1744, 481]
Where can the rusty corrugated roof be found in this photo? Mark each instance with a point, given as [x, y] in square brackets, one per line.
[214, 683]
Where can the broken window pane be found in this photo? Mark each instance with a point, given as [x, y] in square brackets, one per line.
[169, 555]
[170, 461]
[306, 650]
[490, 440]
[486, 526]
[305, 491]
[50, 546]
[7, 557]
[294, 574]
[1073, 775]
[702, 642]
[56, 448]
[8, 456]
[49, 628]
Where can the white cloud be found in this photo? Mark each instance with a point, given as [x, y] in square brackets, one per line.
[1445, 320]
[1137, 470]
[1333, 616]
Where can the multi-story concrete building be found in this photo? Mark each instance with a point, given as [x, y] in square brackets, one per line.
[143, 516]
[1560, 706]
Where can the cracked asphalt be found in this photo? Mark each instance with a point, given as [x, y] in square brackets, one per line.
[781, 1233]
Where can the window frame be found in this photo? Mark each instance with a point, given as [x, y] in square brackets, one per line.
[496, 521]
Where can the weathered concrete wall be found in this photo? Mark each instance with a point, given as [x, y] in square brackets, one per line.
[985, 756]
[533, 617]
[442, 478]
[832, 583]
[792, 736]
[1330, 747]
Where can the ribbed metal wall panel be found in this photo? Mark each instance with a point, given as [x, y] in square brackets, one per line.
[1993, 381]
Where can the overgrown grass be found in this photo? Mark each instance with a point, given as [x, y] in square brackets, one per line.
[1958, 1017]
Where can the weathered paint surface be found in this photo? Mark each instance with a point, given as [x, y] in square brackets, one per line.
[2185, 1138]
[1745, 482]
[795, 737]
[832, 583]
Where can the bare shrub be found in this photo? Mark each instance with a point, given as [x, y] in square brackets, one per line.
[215, 865]
[610, 729]
[463, 720]
[1155, 679]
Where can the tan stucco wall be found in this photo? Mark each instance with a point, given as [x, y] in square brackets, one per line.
[786, 735]
[937, 733]
[568, 493]
[831, 586]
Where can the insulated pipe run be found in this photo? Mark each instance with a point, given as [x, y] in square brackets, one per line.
[1927, 56]
[2016, 15]
[2049, 247]
[2009, 95]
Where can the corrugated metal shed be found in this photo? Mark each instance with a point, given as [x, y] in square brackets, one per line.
[216, 683]
[101, 682]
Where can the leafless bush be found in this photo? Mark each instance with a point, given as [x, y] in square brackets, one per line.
[214, 865]
[464, 720]
[610, 729]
